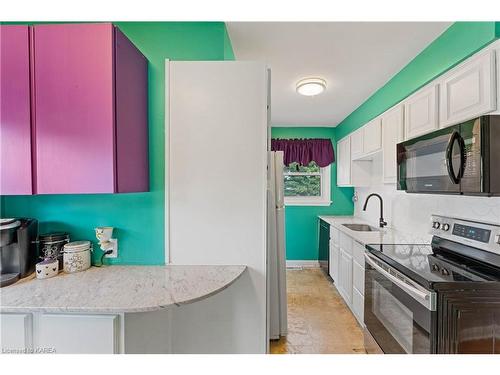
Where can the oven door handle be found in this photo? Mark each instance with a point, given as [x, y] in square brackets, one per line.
[414, 292]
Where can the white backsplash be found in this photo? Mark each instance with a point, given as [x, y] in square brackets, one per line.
[410, 213]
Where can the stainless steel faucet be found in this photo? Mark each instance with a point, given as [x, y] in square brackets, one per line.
[382, 223]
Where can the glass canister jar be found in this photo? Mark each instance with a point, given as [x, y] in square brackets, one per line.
[76, 256]
[52, 244]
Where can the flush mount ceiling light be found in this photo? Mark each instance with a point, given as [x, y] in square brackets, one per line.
[311, 86]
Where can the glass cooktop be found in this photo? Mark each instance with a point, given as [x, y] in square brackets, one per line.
[421, 264]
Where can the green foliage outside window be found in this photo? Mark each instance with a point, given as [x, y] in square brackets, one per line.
[302, 181]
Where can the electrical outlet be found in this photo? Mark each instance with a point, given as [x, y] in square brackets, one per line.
[114, 254]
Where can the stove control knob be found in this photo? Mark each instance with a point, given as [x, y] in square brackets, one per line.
[446, 227]
[435, 267]
[445, 272]
[436, 225]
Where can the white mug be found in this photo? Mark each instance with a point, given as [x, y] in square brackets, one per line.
[47, 268]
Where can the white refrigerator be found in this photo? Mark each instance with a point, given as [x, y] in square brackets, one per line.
[276, 262]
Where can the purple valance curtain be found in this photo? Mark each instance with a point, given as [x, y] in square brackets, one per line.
[303, 151]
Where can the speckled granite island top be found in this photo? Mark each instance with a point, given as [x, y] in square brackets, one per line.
[115, 289]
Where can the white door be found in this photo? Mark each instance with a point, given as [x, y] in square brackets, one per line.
[79, 334]
[357, 144]
[281, 242]
[372, 136]
[272, 252]
[216, 197]
[421, 112]
[468, 91]
[16, 332]
[333, 266]
[392, 134]
[358, 306]
[345, 276]
[344, 162]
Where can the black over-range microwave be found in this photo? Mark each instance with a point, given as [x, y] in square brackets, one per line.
[460, 159]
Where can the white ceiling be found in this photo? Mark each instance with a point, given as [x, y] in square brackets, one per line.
[355, 58]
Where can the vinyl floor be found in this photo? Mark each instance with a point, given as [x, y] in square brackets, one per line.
[319, 321]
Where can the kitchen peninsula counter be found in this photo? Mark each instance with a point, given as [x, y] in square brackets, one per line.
[119, 289]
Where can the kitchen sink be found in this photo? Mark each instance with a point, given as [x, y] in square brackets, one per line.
[361, 227]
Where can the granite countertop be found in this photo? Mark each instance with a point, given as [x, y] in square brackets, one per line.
[385, 236]
[118, 289]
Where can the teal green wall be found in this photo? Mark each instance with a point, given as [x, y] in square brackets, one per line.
[457, 43]
[138, 217]
[302, 221]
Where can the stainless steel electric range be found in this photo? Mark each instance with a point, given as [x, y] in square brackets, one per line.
[437, 298]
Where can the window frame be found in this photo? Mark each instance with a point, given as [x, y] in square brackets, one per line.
[323, 200]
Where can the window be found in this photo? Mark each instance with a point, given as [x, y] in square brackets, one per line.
[306, 185]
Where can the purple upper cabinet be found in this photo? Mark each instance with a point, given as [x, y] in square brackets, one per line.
[131, 92]
[15, 126]
[83, 119]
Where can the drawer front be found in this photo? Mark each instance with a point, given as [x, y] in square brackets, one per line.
[358, 252]
[346, 243]
[334, 235]
[358, 306]
[80, 334]
[358, 277]
[16, 332]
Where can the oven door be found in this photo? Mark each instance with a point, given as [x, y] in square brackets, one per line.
[432, 163]
[399, 314]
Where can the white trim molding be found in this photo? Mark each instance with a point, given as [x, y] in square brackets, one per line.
[302, 264]
[323, 200]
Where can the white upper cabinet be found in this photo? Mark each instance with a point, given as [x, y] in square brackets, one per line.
[372, 136]
[344, 162]
[469, 90]
[357, 144]
[392, 134]
[421, 112]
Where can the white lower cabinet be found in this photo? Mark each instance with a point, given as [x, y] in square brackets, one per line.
[333, 265]
[358, 252]
[345, 276]
[75, 333]
[358, 306]
[358, 277]
[80, 334]
[349, 277]
[358, 291]
[16, 333]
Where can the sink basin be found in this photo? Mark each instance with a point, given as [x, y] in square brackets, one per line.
[361, 227]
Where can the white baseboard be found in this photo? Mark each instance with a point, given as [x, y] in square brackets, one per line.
[302, 264]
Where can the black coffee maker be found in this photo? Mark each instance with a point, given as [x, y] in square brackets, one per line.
[18, 249]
